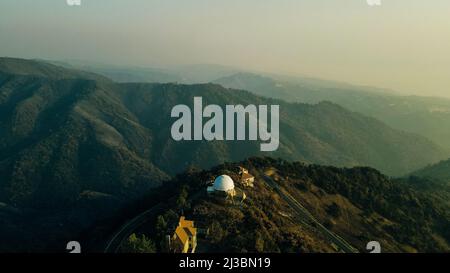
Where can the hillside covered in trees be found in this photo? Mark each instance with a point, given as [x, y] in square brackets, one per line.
[358, 204]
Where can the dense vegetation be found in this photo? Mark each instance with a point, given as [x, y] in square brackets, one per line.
[417, 217]
[138, 244]
[359, 204]
[437, 172]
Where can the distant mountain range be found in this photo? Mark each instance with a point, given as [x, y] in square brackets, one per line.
[187, 74]
[425, 116]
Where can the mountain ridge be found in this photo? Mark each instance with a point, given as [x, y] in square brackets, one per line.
[439, 171]
[40, 114]
[427, 116]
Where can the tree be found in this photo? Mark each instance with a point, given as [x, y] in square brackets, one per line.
[216, 232]
[161, 229]
[136, 244]
[259, 242]
[334, 210]
[182, 200]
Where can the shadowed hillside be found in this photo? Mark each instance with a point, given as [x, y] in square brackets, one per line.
[357, 204]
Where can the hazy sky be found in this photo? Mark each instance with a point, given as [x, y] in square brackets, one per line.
[403, 44]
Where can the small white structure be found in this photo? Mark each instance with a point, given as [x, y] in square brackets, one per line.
[222, 185]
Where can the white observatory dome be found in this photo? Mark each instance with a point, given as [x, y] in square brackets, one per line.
[223, 183]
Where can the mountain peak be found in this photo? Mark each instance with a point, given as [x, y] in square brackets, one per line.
[28, 67]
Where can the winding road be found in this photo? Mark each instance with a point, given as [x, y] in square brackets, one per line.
[303, 213]
[112, 246]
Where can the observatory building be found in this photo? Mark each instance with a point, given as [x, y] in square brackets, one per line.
[223, 185]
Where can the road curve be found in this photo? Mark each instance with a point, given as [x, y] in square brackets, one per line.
[112, 246]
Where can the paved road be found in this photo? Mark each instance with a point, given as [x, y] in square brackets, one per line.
[127, 229]
[306, 217]
[112, 246]
[309, 218]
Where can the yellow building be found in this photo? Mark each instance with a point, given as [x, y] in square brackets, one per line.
[184, 239]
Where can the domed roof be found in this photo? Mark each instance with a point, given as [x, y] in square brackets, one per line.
[223, 183]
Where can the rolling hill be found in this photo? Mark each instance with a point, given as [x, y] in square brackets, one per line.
[425, 116]
[186, 74]
[439, 171]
